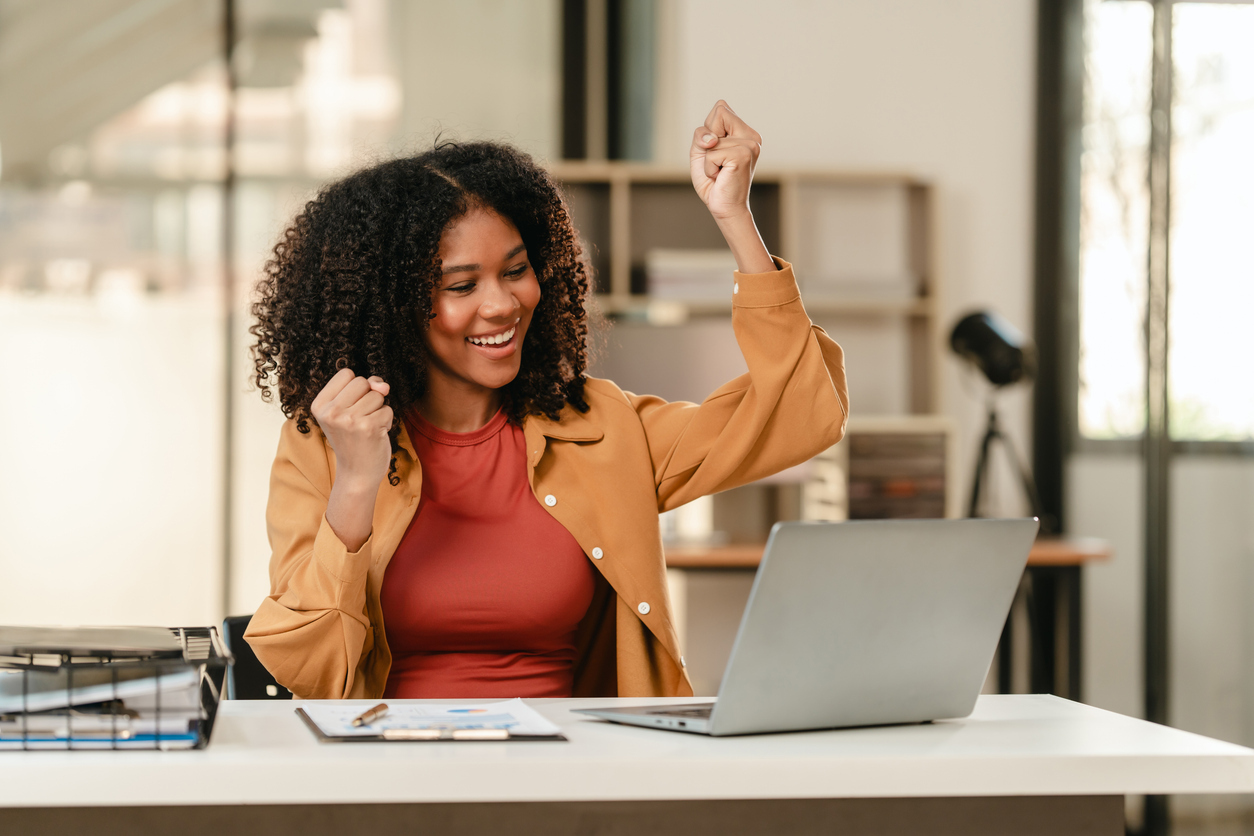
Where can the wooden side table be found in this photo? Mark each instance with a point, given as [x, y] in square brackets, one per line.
[1051, 590]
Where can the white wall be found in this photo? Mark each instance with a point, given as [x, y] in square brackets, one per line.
[479, 69]
[942, 90]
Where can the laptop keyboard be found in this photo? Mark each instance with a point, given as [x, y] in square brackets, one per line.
[689, 711]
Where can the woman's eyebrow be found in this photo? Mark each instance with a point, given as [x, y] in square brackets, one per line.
[469, 268]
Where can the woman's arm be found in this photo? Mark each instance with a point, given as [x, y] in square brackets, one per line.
[794, 401]
[313, 629]
[791, 405]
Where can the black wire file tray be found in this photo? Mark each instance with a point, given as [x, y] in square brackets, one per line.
[109, 687]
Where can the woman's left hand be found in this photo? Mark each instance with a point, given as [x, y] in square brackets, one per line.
[723, 155]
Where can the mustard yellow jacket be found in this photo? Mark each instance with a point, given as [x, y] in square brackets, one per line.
[604, 475]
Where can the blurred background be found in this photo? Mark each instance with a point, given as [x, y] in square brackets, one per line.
[1038, 159]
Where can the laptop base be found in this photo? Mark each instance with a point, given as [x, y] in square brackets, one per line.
[693, 718]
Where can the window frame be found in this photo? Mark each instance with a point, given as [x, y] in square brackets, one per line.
[1066, 293]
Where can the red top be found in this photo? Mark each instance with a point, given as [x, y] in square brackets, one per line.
[485, 590]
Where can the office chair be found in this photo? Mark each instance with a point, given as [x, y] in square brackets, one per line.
[247, 679]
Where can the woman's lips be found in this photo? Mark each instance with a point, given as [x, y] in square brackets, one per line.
[500, 338]
[497, 350]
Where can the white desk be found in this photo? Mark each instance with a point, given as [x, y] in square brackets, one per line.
[1032, 764]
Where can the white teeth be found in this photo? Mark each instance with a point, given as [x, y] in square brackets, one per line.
[497, 340]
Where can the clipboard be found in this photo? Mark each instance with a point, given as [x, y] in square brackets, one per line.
[428, 734]
[511, 720]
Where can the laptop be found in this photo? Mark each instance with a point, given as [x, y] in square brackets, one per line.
[860, 624]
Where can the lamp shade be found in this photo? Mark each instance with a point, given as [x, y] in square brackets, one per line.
[995, 347]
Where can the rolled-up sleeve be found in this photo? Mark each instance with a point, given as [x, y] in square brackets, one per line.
[792, 404]
[312, 630]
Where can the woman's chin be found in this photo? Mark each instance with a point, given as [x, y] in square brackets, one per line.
[498, 378]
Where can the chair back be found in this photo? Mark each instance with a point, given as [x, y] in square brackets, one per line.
[247, 679]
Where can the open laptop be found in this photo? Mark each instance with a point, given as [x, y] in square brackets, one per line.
[859, 624]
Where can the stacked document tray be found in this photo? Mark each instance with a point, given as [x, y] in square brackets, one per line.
[109, 687]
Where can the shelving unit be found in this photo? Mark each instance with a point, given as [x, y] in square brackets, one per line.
[861, 244]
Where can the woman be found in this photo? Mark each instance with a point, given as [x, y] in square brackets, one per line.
[468, 514]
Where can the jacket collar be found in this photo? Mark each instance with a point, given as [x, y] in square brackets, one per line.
[572, 425]
[406, 443]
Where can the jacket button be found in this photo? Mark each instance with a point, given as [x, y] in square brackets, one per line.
[550, 500]
[597, 553]
[682, 663]
[735, 288]
[643, 608]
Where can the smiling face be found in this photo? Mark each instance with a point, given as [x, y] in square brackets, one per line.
[482, 307]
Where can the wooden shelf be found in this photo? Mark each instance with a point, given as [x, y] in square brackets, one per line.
[866, 234]
[665, 311]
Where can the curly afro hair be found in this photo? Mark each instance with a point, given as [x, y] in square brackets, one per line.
[349, 284]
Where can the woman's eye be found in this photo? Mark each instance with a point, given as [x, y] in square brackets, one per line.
[464, 287]
[517, 271]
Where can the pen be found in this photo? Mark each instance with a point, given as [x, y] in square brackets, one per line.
[371, 714]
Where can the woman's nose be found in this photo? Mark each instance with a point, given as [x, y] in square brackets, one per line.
[499, 301]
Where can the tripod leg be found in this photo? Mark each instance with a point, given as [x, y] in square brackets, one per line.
[1025, 478]
[981, 464]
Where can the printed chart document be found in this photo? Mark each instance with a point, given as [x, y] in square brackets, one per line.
[506, 720]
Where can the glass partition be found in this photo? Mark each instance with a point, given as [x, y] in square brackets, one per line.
[116, 181]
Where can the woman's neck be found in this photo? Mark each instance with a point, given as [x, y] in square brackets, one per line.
[459, 411]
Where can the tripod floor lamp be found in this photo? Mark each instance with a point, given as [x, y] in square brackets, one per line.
[1005, 357]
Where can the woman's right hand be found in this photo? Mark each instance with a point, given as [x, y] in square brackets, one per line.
[352, 415]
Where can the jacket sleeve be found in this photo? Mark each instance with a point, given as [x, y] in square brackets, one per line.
[313, 629]
[792, 404]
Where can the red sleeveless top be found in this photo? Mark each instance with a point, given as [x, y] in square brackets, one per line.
[486, 589]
